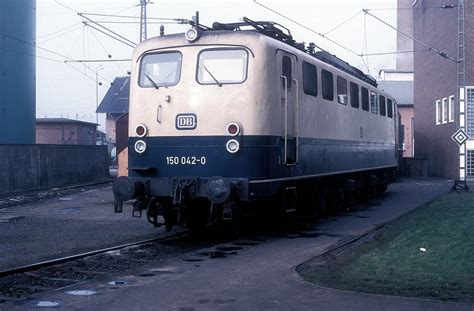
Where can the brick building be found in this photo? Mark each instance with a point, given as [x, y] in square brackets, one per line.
[62, 131]
[440, 104]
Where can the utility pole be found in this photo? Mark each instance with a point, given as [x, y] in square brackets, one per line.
[143, 26]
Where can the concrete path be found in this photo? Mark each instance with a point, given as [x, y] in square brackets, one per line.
[260, 277]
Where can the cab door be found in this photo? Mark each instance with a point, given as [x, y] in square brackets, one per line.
[288, 86]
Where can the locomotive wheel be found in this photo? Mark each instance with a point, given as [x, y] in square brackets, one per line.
[169, 214]
[321, 201]
[118, 206]
[196, 218]
[282, 207]
[152, 212]
[234, 226]
[381, 188]
[330, 200]
[305, 202]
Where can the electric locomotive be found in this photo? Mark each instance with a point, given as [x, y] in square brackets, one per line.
[235, 113]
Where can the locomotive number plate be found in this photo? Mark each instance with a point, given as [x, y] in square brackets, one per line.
[186, 160]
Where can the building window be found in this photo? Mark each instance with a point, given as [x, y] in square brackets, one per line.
[470, 111]
[365, 98]
[310, 79]
[374, 103]
[451, 108]
[327, 84]
[354, 89]
[438, 112]
[444, 109]
[470, 164]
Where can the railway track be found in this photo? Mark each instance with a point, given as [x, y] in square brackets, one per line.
[47, 263]
[21, 282]
[13, 199]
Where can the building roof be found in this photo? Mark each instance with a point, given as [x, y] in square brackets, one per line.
[117, 97]
[394, 71]
[63, 121]
[402, 91]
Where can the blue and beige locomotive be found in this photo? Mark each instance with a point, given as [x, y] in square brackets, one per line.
[238, 113]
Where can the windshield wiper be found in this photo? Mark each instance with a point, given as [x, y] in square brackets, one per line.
[212, 76]
[152, 81]
[166, 78]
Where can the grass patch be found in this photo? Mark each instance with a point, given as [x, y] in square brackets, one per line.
[390, 261]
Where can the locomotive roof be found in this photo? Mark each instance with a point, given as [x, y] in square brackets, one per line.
[283, 34]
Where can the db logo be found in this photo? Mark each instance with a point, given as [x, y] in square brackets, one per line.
[186, 121]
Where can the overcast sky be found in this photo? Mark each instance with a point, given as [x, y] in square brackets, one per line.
[69, 89]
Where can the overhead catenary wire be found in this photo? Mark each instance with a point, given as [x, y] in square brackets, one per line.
[76, 25]
[97, 60]
[307, 28]
[342, 23]
[397, 52]
[72, 30]
[32, 44]
[32, 55]
[104, 30]
[106, 52]
[122, 38]
[440, 53]
[138, 17]
[137, 22]
[446, 6]
[52, 52]
[365, 45]
[109, 35]
[58, 31]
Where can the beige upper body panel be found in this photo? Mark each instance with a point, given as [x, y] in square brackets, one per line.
[257, 103]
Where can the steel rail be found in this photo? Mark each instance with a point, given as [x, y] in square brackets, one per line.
[52, 262]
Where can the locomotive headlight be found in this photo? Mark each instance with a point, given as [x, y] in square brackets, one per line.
[232, 146]
[191, 34]
[141, 130]
[140, 146]
[233, 129]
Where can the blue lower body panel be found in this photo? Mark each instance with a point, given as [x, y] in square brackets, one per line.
[259, 161]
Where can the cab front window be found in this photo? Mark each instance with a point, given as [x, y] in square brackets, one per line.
[160, 69]
[223, 66]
